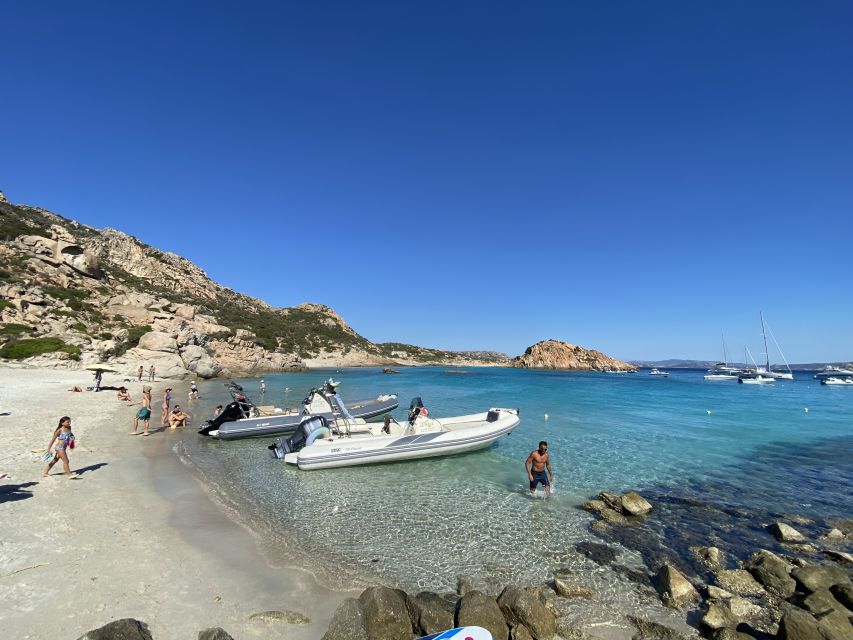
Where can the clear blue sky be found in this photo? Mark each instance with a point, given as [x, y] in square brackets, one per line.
[631, 176]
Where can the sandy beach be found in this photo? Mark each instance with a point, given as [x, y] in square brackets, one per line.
[134, 536]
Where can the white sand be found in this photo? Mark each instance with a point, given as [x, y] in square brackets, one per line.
[76, 554]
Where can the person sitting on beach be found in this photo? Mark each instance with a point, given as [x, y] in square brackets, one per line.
[144, 413]
[124, 394]
[177, 418]
[64, 440]
[76, 389]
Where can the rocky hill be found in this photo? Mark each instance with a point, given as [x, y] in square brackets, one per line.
[72, 295]
[556, 354]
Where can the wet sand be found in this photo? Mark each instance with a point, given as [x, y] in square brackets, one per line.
[135, 535]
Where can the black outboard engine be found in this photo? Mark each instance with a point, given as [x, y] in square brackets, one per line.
[415, 409]
[236, 410]
[300, 437]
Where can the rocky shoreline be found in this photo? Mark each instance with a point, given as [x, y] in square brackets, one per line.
[804, 593]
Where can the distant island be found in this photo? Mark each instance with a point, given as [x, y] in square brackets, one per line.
[556, 354]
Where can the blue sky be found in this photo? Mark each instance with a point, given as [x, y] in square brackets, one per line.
[635, 177]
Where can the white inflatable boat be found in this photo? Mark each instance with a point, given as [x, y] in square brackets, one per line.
[319, 444]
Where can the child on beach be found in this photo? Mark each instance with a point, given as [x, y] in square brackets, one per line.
[64, 440]
[124, 394]
[144, 413]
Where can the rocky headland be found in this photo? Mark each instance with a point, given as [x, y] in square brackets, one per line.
[556, 354]
[72, 296]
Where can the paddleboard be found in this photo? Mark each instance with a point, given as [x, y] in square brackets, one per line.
[460, 633]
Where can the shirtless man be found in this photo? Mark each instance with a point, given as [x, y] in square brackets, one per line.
[177, 418]
[535, 466]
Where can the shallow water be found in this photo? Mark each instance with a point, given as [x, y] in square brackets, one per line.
[420, 524]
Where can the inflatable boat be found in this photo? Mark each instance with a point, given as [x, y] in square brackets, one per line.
[320, 444]
[243, 419]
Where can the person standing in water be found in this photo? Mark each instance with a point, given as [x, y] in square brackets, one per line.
[64, 440]
[151, 373]
[167, 399]
[263, 386]
[535, 466]
[139, 373]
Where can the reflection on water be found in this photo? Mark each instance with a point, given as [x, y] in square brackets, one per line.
[420, 524]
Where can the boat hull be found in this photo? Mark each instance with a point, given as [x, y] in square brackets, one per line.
[361, 450]
[285, 424]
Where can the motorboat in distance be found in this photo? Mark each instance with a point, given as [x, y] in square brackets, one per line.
[833, 372]
[243, 419]
[318, 444]
[755, 378]
[658, 372]
[837, 382]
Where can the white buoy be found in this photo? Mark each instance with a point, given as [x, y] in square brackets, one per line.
[806, 409]
[709, 412]
[546, 416]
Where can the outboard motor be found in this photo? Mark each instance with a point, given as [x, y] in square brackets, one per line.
[303, 434]
[415, 408]
[234, 411]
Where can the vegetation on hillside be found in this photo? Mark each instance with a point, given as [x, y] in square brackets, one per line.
[19, 349]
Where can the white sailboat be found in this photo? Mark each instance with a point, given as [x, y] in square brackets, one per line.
[778, 375]
[722, 371]
[756, 375]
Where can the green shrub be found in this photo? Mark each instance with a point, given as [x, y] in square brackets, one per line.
[4, 275]
[106, 335]
[18, 349]
[5, 304]
[79, 326]
[132, 340]
[14, 329]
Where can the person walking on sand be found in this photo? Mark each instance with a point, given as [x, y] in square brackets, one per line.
[151, 373]
[64, 440]
[139, 373]
[167, 399]
[144, 413]
[535, 466]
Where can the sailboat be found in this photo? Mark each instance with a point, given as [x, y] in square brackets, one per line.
[756, 375]
[722, 371]
[777, 375]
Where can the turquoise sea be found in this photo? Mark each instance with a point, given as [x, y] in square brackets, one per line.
[718, 460]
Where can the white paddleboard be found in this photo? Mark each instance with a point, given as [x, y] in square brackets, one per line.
[460, 633]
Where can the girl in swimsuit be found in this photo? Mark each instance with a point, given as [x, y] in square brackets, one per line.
[64, 440]
[167, 398]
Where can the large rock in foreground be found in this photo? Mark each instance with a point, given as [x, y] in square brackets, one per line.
[674, 588]
[522, 608]
[477, 609]
[556, 354]
[124, 629]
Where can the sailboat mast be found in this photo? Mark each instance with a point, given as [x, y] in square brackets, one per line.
[725, 355]
[764, 334]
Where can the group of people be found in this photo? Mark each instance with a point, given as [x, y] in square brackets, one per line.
[151, 371]
[172, 417]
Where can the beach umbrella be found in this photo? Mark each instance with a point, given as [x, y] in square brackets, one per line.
[102, 367]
